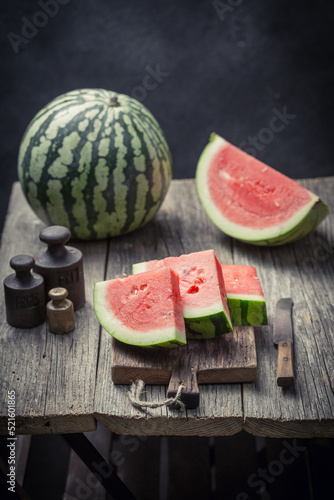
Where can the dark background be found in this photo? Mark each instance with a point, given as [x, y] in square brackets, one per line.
[225, 69]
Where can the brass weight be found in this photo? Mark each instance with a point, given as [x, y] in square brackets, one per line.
[60, 311]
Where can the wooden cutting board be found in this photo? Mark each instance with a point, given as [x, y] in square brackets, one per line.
[230, 358]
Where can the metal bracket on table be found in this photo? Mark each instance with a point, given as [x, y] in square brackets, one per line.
[102, 469]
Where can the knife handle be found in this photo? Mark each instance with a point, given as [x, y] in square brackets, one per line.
[285, 376]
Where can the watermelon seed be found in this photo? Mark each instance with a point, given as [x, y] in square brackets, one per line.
[199, 281]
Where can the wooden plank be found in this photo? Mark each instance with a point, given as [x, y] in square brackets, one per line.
[79, 479]
[283, 271]
[53, 376]
[230, 358]
[170, 233]
[304, 271]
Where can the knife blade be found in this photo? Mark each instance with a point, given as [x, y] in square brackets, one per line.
[283, 337]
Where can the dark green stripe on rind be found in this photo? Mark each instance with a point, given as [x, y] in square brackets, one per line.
[140, 192]
[149, 128]
[63, 206]
[247, 312]
[68, 99]
[170, 344]
[207, 327]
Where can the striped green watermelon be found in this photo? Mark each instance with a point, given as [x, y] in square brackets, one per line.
[96, 162]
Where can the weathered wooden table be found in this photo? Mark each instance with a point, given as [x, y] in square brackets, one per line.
[63, 383]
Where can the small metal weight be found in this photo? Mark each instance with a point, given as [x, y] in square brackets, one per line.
[60, 311]
[60, 265]
[24, 294]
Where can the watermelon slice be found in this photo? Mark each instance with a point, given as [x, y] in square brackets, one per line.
[251, 201]
[143, 310]
[202, 290]
[245, 298]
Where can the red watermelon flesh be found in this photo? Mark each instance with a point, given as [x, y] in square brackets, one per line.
[245, 298]
[144, 309]
[202, 291]
[256, 193]
[251, 201]
[242, 280]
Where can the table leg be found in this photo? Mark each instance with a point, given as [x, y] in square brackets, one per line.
[102, 470]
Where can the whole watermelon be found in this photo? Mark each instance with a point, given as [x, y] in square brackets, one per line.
[96, 162]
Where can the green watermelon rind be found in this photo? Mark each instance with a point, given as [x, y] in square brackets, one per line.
[318, 211]
[207, 322]
[298, 226]
[247, 310]
[206, 327]
[244, 309]
[139, 267]
[100, 169]
[160, 337]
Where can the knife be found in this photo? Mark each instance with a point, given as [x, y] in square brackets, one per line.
[283, 337]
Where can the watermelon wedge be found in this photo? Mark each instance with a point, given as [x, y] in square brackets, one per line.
[251, 201]
[143, 310]
[202, 289]
[245, 298]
